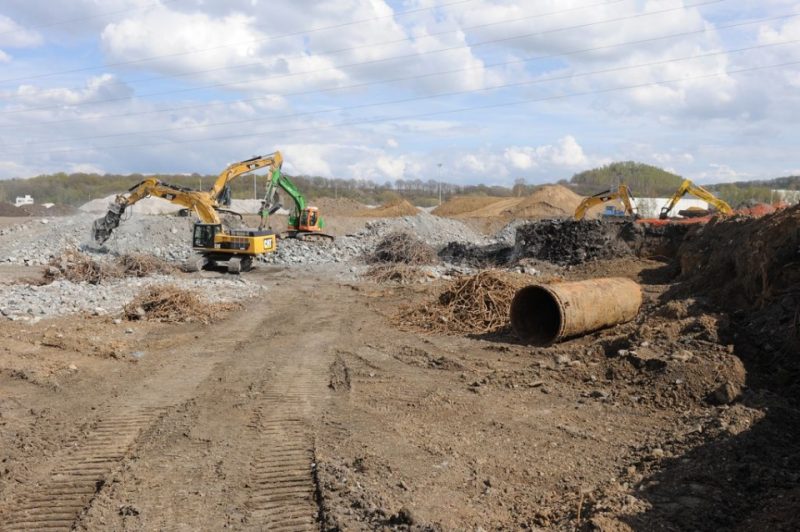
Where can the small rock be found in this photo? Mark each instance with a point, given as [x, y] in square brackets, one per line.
[727, 393]
[658, 452]
[682, 356]
[117, 321]
[72, 367]
[128, 331]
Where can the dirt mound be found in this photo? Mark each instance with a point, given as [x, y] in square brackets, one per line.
[172, 304]
[474, 304]
[392, 209]
[568, 242]
[750, 267]
[401, 247]
[464, 205]
[338, 206]
[8, 209]
[547, 202]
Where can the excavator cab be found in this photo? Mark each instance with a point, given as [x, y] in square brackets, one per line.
[204, 234]
[309, 219]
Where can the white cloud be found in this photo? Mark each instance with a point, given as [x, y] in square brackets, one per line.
[566, 153]
[13, 35]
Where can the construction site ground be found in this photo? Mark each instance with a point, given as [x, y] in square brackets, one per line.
[311, 408]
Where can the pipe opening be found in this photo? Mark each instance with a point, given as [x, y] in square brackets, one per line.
[536, 315]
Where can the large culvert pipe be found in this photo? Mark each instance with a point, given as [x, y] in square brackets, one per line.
[545, 314]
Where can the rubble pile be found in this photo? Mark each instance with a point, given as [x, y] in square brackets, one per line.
[471, 304]
[171, 304]
[32, 302]
[567, 242]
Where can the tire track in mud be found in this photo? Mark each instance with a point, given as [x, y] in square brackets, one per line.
[283, 494]
[68, 483]
[78, 474]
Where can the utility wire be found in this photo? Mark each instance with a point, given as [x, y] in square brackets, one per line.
[405, 78]
[362, 63]
[229, 45]
[412, 99]
[363, 46]
[284, 131]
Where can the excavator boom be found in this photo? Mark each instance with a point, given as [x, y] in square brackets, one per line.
[687, 187]
[274, 160]
[622, 193]
[198, 201]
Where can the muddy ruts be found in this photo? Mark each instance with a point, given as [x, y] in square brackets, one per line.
[57, 502]
[544, 314]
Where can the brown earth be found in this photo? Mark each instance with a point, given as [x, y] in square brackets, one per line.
[464, 204]
[325, 415]
[392, 209]
[338, 206]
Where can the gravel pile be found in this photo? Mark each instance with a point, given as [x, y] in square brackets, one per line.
[34, 242]
[26, 302]
[566, 242]
[168, 238]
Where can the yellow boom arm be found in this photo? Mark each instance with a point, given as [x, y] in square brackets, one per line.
[274, 160]
[199, 201]
[687, 187]
[622, 193]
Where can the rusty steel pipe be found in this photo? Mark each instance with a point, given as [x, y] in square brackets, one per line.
[545, 314]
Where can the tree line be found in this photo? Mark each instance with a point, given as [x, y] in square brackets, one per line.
[644, 180]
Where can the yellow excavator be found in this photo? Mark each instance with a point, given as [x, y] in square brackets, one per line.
[622, 193]
[212, 241]
[687, 187]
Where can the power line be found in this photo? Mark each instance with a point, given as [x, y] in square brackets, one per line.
[372, 45]
[413, 99]
[90, 17]
[221, 46]
[427, 114]
[374, 61]
[408, 78]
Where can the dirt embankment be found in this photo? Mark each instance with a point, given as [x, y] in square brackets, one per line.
[392, 209]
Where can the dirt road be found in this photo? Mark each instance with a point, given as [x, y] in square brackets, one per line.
[309, 409]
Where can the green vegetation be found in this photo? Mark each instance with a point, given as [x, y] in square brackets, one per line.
[645, 181]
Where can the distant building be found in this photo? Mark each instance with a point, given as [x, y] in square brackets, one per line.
[791, 197]
[23, 200]
[651, 207]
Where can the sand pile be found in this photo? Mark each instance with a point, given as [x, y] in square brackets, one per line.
[549, 201]
[392, 209]
[338, 206]
[458, 205]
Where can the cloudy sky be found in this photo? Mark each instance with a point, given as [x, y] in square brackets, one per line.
[491, 90]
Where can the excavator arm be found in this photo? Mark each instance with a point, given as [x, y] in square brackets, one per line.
[218, 191]
[278, 180]
[622, 193]
[201, 202]
[687, 187]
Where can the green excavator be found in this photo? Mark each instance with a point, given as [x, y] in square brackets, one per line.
[305, 222]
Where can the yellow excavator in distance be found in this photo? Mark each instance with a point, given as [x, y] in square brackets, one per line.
[687, 187]
[623, 193]
[212, 242]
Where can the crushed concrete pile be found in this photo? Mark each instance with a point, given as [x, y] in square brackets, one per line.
[29, 302]
[432, 230]
[145, 206]
[35, 242]
[567, 242]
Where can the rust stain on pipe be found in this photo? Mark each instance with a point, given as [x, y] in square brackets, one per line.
[545, 314]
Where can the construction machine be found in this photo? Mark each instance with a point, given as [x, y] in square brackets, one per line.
[212, 241]
[622, 193]
[687, 187]
[305, 221]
